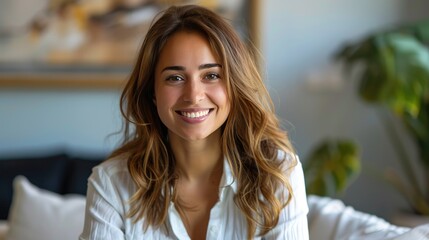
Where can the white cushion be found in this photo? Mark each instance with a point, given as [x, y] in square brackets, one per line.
[38, 214]
[418, 233]
[332, 219]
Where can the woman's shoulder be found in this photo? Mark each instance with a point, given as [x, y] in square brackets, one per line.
[113, 165]
[110, 186]
[288, 157]
[113, 169]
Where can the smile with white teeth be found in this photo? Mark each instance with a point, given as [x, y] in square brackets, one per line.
[195, 114]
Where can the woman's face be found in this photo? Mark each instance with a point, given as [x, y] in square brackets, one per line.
[190, 92]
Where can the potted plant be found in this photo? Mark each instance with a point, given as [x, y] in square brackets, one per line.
[331, 167]
[393, 72]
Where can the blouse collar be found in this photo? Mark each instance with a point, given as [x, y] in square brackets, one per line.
[227, 180]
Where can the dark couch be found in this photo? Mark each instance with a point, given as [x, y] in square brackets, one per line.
[58, 173]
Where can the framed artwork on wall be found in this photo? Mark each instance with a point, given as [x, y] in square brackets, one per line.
[89, 43]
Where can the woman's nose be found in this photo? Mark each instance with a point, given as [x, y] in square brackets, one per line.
[193, 91]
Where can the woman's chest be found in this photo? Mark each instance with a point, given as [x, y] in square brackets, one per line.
[224, 221]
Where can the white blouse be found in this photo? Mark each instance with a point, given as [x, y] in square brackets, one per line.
[110, 187]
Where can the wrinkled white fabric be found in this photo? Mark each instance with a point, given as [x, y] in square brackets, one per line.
[418, 233]
[110, 187]
[331, 219]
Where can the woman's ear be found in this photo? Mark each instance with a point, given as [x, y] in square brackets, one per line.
[154, 100]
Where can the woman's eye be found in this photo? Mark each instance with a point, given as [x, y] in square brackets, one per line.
[212, 76]
[174, 78]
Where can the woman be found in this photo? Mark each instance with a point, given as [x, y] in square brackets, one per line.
[204, 156]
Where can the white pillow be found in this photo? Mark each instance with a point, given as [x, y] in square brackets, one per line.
[38, 214]
[418, 233]
[331, 219]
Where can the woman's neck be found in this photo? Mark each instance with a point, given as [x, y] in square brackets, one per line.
[197, 161]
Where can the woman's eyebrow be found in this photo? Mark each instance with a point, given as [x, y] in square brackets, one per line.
[202, 66]
[209, 65]
[176, 68]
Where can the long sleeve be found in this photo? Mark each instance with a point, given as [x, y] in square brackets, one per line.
[293, 218]
[104, 211]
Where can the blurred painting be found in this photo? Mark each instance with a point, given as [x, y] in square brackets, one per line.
[88, 35]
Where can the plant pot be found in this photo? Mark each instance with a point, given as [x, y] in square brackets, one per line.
[408, 219]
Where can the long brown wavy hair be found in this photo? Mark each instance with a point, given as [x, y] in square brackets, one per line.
[251, 135]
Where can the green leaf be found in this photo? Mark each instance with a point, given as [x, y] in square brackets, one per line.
[331, 167]
[394, 68]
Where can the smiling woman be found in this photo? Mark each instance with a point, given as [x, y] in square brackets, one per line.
[203, 155]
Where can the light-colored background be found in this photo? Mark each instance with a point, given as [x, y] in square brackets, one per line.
[297, 39]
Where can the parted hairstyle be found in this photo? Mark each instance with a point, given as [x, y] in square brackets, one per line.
[251, 136]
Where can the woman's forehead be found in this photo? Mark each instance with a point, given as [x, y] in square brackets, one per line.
[185, 48]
